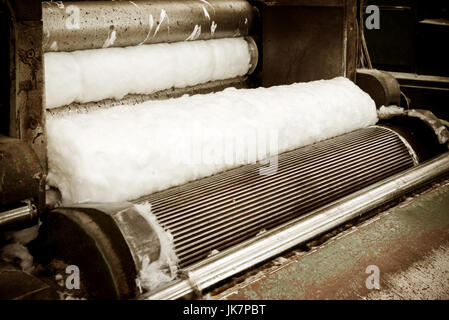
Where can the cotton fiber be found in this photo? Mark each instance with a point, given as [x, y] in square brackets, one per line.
[18, 252]
[152, 274]
[16, 249]
[125, 152]
[93, 75]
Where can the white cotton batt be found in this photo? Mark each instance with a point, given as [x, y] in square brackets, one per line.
[125, 152]
[93, 75]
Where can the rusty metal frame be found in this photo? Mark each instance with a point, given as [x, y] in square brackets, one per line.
[23, 142]
[27, 115]
[128, 23]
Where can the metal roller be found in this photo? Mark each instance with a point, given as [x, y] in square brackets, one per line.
[220, 211]
[210, 217]
[230, 262]
[69, 26]
[26, 214]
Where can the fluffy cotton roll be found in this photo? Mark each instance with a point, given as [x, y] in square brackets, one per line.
[94, 75]
[125, 152]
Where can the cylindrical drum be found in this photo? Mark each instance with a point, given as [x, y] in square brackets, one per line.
[70, 26]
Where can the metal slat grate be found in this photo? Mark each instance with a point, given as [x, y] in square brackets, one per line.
[227, 208]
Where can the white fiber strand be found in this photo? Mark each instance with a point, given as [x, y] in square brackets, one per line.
[155, 273]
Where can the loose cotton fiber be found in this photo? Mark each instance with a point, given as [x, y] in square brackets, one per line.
[93, 75]
[152, 274]
[16, 251]
[125, 152]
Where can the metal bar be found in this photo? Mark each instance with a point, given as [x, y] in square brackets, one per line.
[272, 243]
[306, 3]
[70, 26]
[23, 215]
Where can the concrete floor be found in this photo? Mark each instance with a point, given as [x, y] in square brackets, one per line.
[408, 245]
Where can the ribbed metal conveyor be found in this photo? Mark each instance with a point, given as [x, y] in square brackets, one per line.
[222, 210]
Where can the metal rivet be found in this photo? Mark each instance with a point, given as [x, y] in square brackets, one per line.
[33, 123]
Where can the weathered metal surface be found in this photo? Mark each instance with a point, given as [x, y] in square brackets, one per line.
[89, 240]
[399, 241]
[21, 176]
[132, 99]
[382, 87]
[17, 217]
[30, 87]
[72, 26]
[253, 53]
[27, 118]
[351, 39]
[5, 82]
[138, 234]
[107, 241]
[421, 137]
[440, 130]
[307, 40]
[413, 79]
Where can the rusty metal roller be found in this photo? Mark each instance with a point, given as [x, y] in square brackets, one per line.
[220, 211]
[69, 26]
